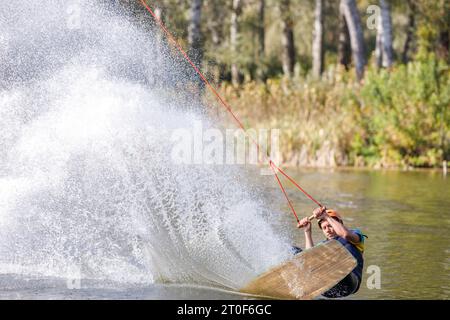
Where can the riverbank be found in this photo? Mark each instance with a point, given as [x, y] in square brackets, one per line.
[394, 119]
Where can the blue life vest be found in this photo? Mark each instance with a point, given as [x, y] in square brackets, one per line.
[355, 253]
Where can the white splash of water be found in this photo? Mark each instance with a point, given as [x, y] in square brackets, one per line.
[86, 178]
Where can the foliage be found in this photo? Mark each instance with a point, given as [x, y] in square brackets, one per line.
[395, 118]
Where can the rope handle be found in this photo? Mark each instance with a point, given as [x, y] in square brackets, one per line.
[310, 218]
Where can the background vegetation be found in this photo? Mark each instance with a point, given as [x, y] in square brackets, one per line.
[363, 83]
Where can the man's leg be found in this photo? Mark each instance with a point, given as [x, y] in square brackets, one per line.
[296, 250]
[344, 288]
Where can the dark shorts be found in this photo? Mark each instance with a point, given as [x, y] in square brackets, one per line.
[346, 287]
[295, 250]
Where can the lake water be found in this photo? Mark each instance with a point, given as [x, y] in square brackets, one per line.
[405, 215]
[92, 204]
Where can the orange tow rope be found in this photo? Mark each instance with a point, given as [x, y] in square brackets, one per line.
[272, 165]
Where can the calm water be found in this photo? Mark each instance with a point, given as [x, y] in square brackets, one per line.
[407, 218]
[405, 214]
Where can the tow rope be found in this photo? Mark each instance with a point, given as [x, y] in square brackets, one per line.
[272, 165]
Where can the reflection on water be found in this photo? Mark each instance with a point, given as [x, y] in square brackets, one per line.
[26, 287]
[407, 218]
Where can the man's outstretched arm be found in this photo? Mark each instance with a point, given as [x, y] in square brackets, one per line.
[339, 228]
[305, 223]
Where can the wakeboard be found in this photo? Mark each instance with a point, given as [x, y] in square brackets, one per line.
[305, 276]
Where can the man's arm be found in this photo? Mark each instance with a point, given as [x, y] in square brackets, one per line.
[338, 227]
[308, 238]
[342, 231]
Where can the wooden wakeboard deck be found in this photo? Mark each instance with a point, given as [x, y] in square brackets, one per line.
[305, 276]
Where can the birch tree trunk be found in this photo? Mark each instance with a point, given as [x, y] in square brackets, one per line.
[261, 28]
[353, 21]
[215, 23]
[384, 51]
[287, 38]
[159, 34]
[234, 39]
[261, 38]
[410, 31]
[194, 32]
[344, 48]
[443, 44]
[159, 38]
[317, 45]
[379, 43]
[443, 36]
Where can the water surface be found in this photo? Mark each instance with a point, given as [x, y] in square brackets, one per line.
[404, 214]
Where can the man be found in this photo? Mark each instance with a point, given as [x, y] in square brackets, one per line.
[332, 226]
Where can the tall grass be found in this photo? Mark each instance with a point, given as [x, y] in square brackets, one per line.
[394, 118]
